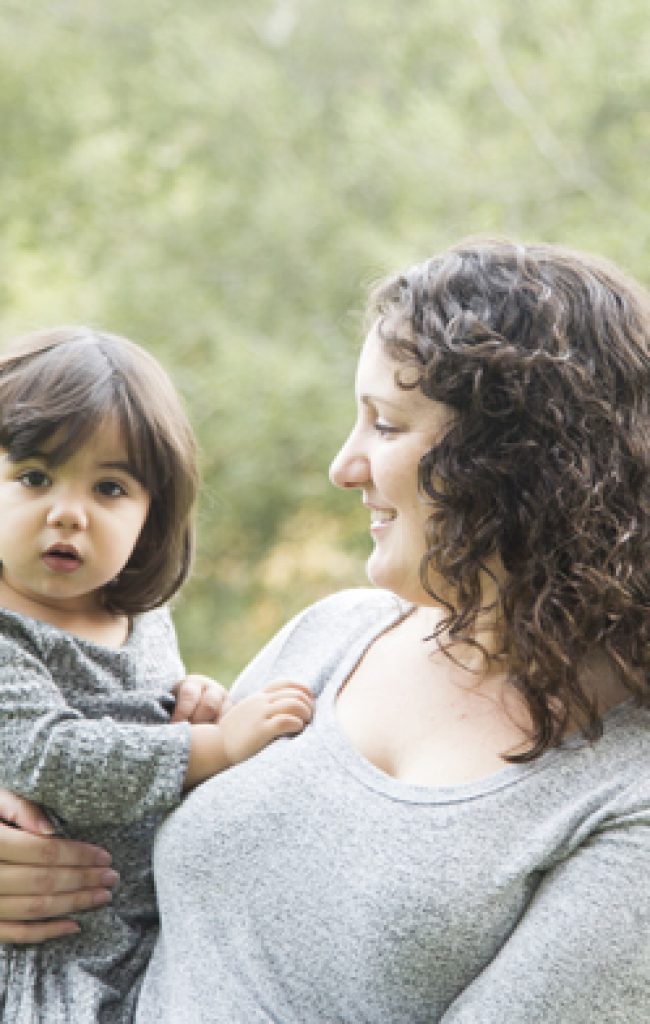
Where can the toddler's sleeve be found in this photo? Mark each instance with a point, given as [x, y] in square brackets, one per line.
[88, 771]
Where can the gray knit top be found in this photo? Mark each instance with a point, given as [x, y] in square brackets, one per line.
[84, 731]
[306, 886]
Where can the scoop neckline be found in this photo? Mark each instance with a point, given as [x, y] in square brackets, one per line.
[372, 777]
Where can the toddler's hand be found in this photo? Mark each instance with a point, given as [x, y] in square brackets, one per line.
[199, 699]
[283, 708]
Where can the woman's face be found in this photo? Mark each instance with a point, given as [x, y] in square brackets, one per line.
[393, 430]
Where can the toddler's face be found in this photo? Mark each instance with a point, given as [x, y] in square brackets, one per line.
[67, 530]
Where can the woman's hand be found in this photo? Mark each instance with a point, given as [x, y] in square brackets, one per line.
[42, 877]
[200, 699]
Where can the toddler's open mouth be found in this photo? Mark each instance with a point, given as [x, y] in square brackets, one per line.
[62, 558]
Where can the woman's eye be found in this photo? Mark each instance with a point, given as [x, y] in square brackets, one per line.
[34, 478]
[110, 489]
[384, 429]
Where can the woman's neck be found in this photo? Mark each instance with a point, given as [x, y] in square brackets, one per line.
[478, 650]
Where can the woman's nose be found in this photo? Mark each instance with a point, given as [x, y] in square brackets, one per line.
[68, 515]
[350, 467]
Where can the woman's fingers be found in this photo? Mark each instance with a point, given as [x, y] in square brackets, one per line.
[38, 908]
[43, 878]
[19, 847]
[20, 812]
[41, 917]
[44, 881]
[29, 932]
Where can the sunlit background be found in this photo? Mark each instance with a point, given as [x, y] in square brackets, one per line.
[222, 182]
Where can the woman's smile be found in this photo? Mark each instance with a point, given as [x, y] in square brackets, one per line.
[395, 427]
[380, 519]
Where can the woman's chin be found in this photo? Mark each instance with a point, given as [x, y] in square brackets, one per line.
[390, 577]
[404, 582]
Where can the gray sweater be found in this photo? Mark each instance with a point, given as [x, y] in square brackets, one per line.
[84, 731]
[306, 886]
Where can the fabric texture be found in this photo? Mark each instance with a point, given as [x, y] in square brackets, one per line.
[306, 886]
[85, 732]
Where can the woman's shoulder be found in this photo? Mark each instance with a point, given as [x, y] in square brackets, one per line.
[334, 620]
[319, 635]
[623, 749]
[597, 784]
[364, 602]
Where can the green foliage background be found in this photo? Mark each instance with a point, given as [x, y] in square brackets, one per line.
[221, 181]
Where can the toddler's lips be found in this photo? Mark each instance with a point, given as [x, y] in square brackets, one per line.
[62, 558]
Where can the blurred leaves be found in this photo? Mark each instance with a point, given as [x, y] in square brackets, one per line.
[222, 182]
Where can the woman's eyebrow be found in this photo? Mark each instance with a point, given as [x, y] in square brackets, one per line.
[369, 399]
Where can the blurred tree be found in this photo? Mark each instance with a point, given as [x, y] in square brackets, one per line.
[223, 181]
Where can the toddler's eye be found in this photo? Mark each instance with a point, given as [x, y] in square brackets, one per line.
[34, 478]
[110, 489]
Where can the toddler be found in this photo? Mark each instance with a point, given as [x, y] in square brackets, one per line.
[97, 488]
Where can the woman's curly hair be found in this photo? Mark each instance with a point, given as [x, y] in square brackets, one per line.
[544, 353]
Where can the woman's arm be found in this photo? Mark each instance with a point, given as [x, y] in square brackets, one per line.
[581, 951]
[43, 878]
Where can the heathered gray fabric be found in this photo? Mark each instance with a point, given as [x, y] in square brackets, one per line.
[84, 732]
[306, 886]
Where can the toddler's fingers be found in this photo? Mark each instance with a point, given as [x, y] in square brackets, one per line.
[199, 699]
[288, 691]
[213, 703]
[284, 724]
[283, 684]
[188, 694]
[290, 704]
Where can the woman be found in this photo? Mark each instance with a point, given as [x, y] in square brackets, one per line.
[462, 833]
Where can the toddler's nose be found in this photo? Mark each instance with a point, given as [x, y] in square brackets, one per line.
[68, 516]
